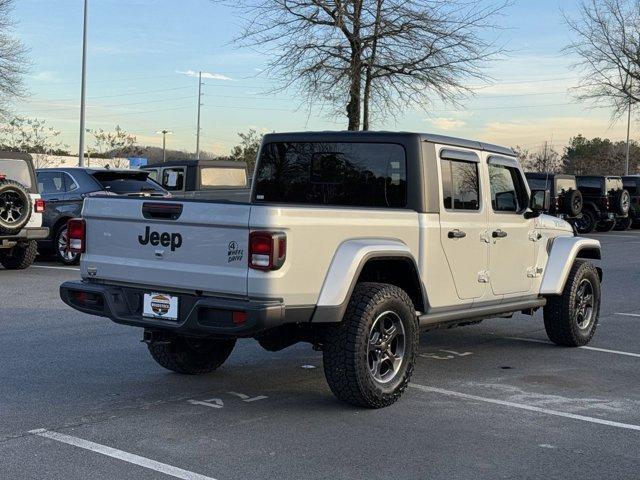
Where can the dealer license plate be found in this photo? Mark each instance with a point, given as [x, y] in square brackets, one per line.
[160, 305]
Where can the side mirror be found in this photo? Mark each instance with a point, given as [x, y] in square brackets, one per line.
[539, 202]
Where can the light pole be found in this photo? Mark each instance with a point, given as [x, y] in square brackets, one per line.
[84, 85]
[164, 143]
[199, 106]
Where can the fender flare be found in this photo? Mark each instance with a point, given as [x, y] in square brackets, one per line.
[345, 268]
[563, 253]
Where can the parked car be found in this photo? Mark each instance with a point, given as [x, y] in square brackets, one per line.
[605, 201]
[566, 199]
[21, 209]
[353, 242]
[632, 185]
[210, 179]
[64, 190]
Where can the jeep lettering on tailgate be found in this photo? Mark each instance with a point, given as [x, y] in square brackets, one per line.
[166, 239]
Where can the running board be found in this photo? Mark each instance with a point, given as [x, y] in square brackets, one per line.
[478, 313]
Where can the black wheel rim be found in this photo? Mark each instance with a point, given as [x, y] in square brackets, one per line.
[387, 342]
[63, 251]
[12, 208]
[584, 304]
[584, 223]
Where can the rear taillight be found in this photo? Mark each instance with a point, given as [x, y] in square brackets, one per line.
[76, 235]
[39, 206]
[267, 250]
[605, 202]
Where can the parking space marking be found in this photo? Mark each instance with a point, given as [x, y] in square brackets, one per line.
[522, 406]
[595, 349]
[629, 314]
[55, 268]
[121, 455]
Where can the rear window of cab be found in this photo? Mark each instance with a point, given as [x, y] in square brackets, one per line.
[326, 173]
[16, 170]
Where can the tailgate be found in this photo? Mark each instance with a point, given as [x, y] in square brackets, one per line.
[170, 245]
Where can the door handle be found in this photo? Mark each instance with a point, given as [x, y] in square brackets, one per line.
[499, 234]
[53, 200]
[456, 234]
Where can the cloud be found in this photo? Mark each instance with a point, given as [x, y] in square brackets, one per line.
[444, 123]
[207, 75]
[46, 76]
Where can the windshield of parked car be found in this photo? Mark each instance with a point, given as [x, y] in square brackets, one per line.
[211, 177]
[123, 183]
[16, 170]
[326, 173]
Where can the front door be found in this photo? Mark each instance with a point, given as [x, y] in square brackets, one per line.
[512, 254]
[463, 223]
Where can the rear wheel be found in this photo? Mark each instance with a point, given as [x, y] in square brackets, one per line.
[624, 224]
[19, 257]
[587, 223]
[191, 356]
[62, 253]
[369, 357]
[571, 318]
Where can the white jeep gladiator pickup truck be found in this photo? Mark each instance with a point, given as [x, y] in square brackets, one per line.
[353, 242]
[21, 209]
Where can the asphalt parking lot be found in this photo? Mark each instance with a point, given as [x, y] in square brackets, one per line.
[81, 398]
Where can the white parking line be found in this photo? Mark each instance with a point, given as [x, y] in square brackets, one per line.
[522, 406]
[595, 349]
[55, 268]
[629, 314]
[121, 455]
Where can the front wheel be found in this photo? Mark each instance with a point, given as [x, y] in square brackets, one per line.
[19, 257]
[606, 225]
[369, 357]
[624, 224]
[571, 318]
[191, 356]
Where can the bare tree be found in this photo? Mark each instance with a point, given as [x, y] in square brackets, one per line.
[607, 44]
[12, 60]
[367, 56]
[115, 145]
[30, 135]
[543, 160]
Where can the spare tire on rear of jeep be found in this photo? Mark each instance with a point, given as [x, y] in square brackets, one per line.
[15, 207]
[622, 202]
[571, 203]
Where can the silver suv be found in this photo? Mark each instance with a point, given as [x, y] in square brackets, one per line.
[353, 242]
[21, 211]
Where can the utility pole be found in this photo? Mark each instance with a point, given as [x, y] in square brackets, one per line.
[199, 106]
[626, 164]
[83, 94]
[164, 143]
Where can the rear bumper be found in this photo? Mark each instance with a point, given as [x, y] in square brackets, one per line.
[198, 315]
[27, 234]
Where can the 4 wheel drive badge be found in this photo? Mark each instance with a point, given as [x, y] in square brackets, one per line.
[234, 253]
[160, 304]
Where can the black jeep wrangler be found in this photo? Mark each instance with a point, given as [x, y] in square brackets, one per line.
[605, 202]
[632, 185]
[566, 199]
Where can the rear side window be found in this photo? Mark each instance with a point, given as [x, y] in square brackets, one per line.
[16, 170]
[341, 174]
[590, 185]
[212, 177]
[537, 183]
[614, 184]
[124, 183]
[51, 182]
[173, 179]
[563, 185]
[460, 185]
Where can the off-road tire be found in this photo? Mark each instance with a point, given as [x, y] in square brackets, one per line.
[14, 191]
[346, 347]
[622, 202]
[191, 356]
[624, 224]
[560, 313]
[571, 203]
[586, 224]
[19, 257]
[606, 225]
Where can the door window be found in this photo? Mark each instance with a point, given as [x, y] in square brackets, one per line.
[460, 185]
[69, 183]
[507, 190]
[173, 179]
[153, 175]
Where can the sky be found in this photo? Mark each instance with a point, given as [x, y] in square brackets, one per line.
[143, 55]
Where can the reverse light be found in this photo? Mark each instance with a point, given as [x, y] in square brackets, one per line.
[39, 206]
[76, 235]
[267, 250]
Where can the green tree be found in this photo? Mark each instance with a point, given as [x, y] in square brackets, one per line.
[599, 156]
[247, 150]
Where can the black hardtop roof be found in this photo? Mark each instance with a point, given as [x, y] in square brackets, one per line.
[15, 156]
[598, 176]
[383, 136]
[194, 163]
[549, 175]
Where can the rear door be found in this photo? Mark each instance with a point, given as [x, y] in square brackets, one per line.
[463, 221]
[512, 255]
[175, 245]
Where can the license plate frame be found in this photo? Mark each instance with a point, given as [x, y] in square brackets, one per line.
[161, 306]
